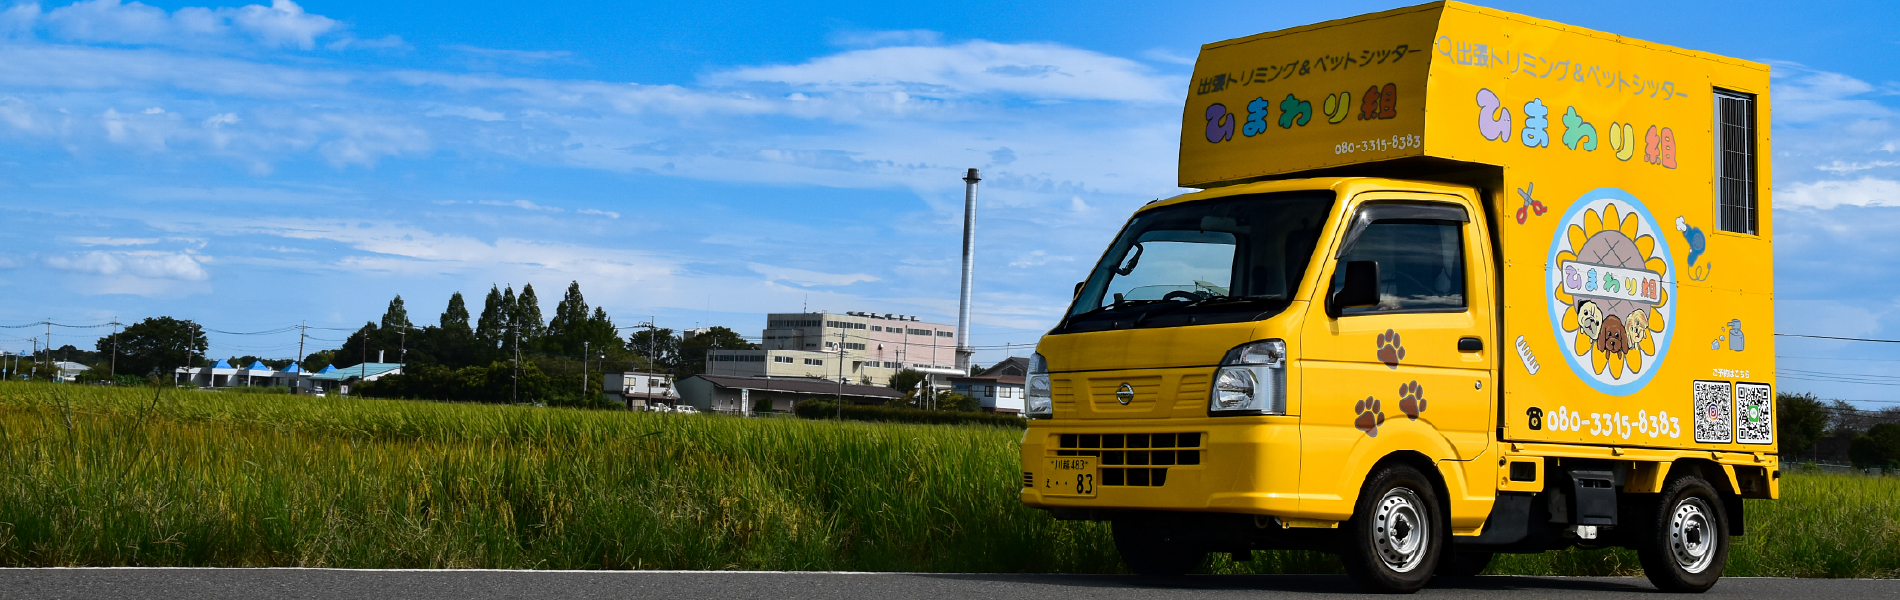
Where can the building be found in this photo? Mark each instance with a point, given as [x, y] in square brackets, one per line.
[740, 395]
[68, 370]
[338, 380]
[997, 389]
[862, 348]
[640, 390]
[222, 375]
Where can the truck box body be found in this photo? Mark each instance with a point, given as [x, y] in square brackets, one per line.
[1613, 138]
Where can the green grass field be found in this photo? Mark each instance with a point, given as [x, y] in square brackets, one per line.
[99, 477]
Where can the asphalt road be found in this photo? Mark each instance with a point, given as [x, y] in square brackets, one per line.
[326, 584]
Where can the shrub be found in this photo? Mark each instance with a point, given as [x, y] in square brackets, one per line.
[823, 409]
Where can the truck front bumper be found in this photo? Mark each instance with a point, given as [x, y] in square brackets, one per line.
[1229, 464]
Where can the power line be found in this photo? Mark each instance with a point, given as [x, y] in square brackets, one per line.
[1830, 337]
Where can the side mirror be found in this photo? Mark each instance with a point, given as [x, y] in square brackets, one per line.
[1078, 289]
[1360, 288]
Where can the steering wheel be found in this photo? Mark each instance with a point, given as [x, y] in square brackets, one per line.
[1181, 295]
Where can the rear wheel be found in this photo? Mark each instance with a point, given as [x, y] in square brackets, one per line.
[1155, 547]
[1396, 533]
[1686, 543]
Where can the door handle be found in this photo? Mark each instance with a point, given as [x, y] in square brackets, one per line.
[1470, 344]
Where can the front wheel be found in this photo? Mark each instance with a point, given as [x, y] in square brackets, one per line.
[1396, 533]
[1686, 544]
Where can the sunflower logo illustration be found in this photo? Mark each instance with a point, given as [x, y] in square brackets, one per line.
[1611, 299]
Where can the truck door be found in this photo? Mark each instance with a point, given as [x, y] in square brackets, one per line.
[1414, 366]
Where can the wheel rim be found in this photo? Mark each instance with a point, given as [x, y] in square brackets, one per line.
[1692, 535]
[1400, 531]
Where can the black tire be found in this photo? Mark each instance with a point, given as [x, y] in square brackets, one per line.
[1684, 543]
[1155, 547]
[1396, 534]
[1463, 563]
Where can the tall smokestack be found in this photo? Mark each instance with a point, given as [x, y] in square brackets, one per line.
[969, 269]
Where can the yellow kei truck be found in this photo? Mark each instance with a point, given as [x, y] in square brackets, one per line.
[1449, 289]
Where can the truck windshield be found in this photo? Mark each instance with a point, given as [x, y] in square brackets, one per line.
[1214, 261]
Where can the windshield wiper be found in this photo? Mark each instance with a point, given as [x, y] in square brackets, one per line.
[1122, 304]
[1204, 300]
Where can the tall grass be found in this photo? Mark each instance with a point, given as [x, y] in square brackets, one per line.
[95, 476]
[101, 476]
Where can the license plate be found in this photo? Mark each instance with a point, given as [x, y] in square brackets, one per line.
[1070, 476]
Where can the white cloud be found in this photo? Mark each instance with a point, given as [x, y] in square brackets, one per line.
[387, 42]
[467, 112]
[1866, 191]
[1044, 71]
[806, 278]
[1804, 96]
[604, 213]
[521, 204]
[1036, 258]
[282, 24]
[145, 264]
[519, 56]
[872, 39]
[1839, 167]
[1163, 55]
[112, 241]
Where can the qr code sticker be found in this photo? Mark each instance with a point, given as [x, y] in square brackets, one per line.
[1754, 414]
[1712, 405]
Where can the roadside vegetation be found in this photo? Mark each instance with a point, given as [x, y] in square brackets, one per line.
[93, 476]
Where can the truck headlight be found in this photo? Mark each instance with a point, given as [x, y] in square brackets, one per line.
[1251, 380]
[1037, 402]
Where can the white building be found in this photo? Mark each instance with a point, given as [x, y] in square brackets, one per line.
[862, 348]
[223, 375]
[640, 390]
[997, 389]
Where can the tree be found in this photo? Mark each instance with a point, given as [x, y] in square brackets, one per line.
[527, 317]
[396, 317]
[694, 350]
[492, 330]
[316, 361]
[156, 345]
[453, 343]
[361, 347]
[1802, 420]
[570, 331]
[656, 349]
[907, 379]
[1879, 449]
[455, 319]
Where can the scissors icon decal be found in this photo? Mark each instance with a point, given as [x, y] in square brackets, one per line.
[1531, 206]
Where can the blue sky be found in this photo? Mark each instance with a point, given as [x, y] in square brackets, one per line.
[251, 166]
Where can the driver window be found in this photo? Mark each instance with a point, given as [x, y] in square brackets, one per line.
[1183, 264]
[1421, 265]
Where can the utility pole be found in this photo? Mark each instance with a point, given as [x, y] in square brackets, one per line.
[840, 373]
[586, 346]
[516, 394]
[114, 372]
[302, 330]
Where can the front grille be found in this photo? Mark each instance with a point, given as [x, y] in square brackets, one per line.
[1029, 479]
[1133, 459]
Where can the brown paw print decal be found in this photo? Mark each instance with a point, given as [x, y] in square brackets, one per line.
[1390, 350]
[1411, 399]
[1370, 417]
